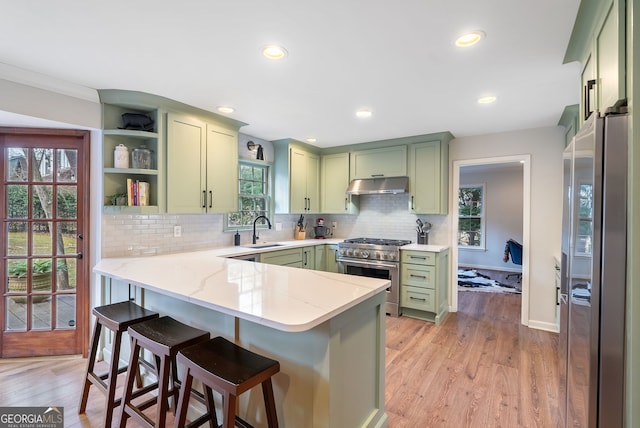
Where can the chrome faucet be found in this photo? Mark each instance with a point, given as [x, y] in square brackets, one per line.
[255, 237]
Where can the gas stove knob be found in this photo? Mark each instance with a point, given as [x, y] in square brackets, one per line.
[364, 254]
[392, 256]
[351, 252]
[343, 251]
[377, 255]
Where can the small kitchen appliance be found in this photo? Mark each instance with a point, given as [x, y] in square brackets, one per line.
[374, 258]
[320, 230]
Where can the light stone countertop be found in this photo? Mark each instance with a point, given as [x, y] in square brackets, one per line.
[283, 298]
[423, 247]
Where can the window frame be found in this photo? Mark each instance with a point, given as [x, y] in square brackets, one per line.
[483, 198]
[268, 195]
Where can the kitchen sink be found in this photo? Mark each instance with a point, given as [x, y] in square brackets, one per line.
[262, 245]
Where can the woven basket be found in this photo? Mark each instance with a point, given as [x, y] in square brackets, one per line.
[39, 282]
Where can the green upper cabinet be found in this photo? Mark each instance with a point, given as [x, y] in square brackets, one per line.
[381, 162]
[598, 43]
[334, 180]
[428, 177]
[202, 166]
[297, 178]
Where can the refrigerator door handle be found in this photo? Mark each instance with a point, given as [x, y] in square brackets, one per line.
[564, 299]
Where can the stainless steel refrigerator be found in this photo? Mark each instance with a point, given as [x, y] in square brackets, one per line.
[593, 269]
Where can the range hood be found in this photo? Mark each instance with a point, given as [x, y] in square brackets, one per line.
[378, 186]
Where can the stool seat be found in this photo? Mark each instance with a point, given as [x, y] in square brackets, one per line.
[164, 337]
[231, 370]
[117, 317]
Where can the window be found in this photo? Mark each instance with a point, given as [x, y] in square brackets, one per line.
[471, 216]
[585, 220]
[254, 196]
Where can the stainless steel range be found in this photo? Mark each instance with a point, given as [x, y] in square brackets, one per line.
[374, 258]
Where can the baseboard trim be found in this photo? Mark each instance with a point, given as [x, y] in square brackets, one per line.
[546, 326]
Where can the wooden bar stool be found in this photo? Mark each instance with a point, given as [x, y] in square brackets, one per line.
[230, 370]
[164, 337]
[116, 317]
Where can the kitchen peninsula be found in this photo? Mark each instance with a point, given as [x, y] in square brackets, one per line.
[325, 329]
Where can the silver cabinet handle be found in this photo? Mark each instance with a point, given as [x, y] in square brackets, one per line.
[204, 199]
[210, 199]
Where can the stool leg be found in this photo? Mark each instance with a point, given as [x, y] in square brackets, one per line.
[211, 407]
[113, 377]
[174, 390]
[229, 410]
[163, 388]
[128, 388]
[270, 403]
[183, 402]
[90, 365]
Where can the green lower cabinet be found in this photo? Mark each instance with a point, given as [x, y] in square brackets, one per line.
[424, 284]
[331, 255]
[321, 257]
[309, 258]
[291, 257]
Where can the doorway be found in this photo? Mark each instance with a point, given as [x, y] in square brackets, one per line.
[524, 160]
[44, 207]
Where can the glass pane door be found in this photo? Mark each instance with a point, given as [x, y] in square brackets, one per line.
[42, 249]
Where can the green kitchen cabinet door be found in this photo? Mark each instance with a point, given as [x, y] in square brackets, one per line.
[222, 170]
[304, 182]
[381, 162]
[186, 165]
[321, 257]
[332, 258]
[202, 167]
[334, 180]
[428, 178]
[309, 258]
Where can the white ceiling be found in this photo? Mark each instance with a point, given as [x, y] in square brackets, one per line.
[396, 58]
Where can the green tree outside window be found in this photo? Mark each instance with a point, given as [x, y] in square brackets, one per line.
[471, 216]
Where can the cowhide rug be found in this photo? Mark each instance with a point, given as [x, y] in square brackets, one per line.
[472, 280]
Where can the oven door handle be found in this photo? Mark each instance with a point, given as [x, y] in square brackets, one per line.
[366, 264]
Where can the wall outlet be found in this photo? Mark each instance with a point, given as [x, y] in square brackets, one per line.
[278, 227]
[334, 224]
[177, 231]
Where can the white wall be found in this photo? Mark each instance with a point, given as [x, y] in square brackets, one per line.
[503, 215]
[545, 146]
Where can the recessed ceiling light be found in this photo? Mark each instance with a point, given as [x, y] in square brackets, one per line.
[487, 99]
[362, 113]
[311, 140]
[274, 52]
[225, 109]
[469, 39]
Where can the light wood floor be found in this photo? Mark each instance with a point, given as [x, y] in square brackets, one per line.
[480, 368]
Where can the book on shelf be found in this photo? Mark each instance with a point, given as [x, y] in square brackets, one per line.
[137, 193]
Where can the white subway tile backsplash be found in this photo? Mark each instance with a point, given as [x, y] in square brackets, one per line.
[381, 216]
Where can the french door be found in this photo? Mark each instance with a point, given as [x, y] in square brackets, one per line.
[45, 222]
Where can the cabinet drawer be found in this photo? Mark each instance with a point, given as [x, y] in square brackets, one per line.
[418, 298]
[283, 257]
[420, 257]
[418, 275]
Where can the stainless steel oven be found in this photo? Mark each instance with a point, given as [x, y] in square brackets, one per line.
[374, 258]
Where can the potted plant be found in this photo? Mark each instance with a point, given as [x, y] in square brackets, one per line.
[118, 199]
[40, 278]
